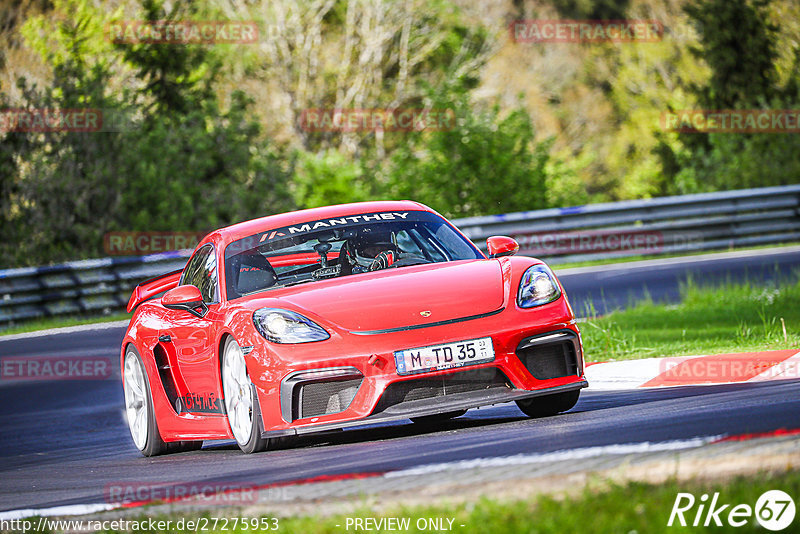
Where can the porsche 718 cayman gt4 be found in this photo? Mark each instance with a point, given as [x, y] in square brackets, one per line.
[340, 316]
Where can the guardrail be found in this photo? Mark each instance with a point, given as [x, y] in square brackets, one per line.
[665, 225]
[656, 226]
[88, 287]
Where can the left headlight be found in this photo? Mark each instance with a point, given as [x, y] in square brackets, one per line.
[538, 286]
[284, 326]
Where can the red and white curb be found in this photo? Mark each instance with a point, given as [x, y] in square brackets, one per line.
[695, 370]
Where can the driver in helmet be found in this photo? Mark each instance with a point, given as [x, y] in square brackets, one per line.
[371, 252]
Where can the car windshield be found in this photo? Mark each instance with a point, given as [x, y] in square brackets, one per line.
[340, 246]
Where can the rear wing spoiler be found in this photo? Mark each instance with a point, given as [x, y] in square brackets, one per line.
[149, 288]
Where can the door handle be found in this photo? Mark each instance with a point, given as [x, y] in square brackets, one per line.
[164, 338]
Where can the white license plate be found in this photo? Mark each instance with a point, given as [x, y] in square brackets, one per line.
[445, 356]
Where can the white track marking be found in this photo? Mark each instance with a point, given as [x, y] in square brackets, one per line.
[629, 374]
[633, 374]
[557, 456]
[72, 509]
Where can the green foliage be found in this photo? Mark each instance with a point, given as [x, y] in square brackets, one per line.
[744, 75]
[738, 161]
[327, 178]
[176, 78]
[738, 43]
[593, 9]
[479, 163]
[210, 134]
[177, 162]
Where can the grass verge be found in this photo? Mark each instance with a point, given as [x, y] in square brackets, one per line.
[60, 322]
[709, 320]
[599, 507]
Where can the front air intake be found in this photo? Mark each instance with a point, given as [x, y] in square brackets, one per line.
[551, 356]
[324, 398]
[319, 392]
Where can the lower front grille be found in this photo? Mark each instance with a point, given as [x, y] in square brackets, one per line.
[324, 398]
[442, 386]
[549, 360]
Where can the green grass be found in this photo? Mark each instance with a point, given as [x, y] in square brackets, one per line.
[58, 322]
[599, 507]
[729, 318]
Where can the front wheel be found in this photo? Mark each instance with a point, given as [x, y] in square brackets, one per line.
[549, 404]
[139, 410]
[241, 401]
[139, 406]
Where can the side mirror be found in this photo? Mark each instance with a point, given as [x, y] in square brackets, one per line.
[500, 246]
[187, 298]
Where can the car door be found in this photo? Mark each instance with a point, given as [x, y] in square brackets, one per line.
[190, 339]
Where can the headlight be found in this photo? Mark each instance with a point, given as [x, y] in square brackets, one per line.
[284, 326]
[538, 286]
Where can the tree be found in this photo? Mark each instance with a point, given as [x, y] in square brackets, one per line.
[485, 163]
[180, 161]
[738, 43]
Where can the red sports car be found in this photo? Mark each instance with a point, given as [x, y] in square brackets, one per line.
[334, 317]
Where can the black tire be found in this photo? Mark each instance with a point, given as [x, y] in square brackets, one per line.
[437, 417]
[154, 445]
[549, 404]
[255, 442]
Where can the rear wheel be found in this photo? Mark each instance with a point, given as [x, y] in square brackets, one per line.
[241, 401]
[437, 417]
[550, 404]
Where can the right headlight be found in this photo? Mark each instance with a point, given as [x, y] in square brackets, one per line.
[285, 326]
[538, 286]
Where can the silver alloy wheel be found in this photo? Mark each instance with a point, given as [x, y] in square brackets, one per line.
[135, 399]
[238, 393]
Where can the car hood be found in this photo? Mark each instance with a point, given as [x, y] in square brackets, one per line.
[406, 296]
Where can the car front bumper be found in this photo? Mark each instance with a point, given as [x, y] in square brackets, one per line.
[516, 372]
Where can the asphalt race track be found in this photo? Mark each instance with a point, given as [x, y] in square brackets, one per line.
[63, 442]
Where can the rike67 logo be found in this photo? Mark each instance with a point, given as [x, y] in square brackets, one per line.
[774, 510]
